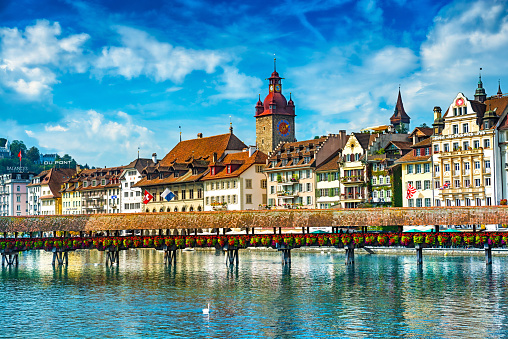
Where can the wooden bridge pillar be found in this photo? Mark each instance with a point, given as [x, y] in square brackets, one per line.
[419, 254]
[286, 256]
[436, 228]
[232, 256]
[170, 255]
[11, 259]
[350, 254]
[488, 254]
[62, 258]
[112, 256]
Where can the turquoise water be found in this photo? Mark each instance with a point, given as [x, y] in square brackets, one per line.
[318, 297]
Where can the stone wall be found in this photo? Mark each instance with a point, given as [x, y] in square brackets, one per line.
[262, 219]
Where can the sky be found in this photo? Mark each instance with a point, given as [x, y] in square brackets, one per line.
[98, 79]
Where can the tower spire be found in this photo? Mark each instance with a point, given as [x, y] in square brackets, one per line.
[274, 63]
[499, 92]
[480, 94]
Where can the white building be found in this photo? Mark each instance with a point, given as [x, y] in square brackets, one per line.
[236, 182]
[131, 197]
[328, 183]
[34, 194]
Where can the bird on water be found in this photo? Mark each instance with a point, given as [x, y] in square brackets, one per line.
[206, 310]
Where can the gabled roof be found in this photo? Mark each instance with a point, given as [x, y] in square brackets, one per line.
[331, 164]
[241, 159]
[365, 139]
[422, 132]
[54, 179]
[401, 144]
[202, 148]
[424, 142]
[410, 157]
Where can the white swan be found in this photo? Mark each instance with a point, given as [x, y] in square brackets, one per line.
[206, 310]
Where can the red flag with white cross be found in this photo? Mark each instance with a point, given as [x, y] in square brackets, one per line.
[147, 197]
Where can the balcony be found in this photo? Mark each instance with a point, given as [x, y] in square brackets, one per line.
[352, 180]
[290, 181]
[460, 152]
[353, 196]
[463, 190]
[286, 195]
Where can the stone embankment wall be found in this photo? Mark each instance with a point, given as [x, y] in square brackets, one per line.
[261, 219]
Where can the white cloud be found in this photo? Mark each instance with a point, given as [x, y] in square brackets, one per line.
[30, 59]
[236, 85]
[93, 138]
[142, 54]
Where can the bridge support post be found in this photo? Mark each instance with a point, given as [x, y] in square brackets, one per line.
[286, 256]
[488, 254]
[419, 254]
[170, 256]
[112, 256]
[232, 256]
[62, 258]
[350, 254]
[11, 259]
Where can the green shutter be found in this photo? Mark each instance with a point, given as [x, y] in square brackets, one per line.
[318, 193]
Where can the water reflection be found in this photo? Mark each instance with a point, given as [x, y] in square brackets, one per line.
[317, 296]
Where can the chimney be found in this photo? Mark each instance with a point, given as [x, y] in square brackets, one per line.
[200, 135]
[78, 168]
[154, 158]
[214, 156]
[252, 149]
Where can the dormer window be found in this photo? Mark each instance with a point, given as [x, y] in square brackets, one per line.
[94, 183]
[103, 182]
[85, 184]
[274, 163]
[213, 170]
[288, 151]
[306, 160]
[284, 162]
[229, 169]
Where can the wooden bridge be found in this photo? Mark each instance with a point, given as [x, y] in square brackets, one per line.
[261, 219]
[172, 231]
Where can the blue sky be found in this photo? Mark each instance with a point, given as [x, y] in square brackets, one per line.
[98, 79]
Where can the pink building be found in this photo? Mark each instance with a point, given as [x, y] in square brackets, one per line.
[13, 193]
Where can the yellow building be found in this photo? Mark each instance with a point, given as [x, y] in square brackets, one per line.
[71, 196]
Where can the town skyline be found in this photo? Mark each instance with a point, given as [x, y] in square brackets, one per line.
[100, 86]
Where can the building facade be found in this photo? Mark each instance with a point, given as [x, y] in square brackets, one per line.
[291, 167]
[328, 183]
[13, 193]
[237, 182]
[44, 192]
[131, 195]
[181, 171]
[466, 151]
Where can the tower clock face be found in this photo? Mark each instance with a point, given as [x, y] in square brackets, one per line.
[277, 88]
[271, 88]
[283, 128]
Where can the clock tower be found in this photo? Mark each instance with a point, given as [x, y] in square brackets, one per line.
[275, 117]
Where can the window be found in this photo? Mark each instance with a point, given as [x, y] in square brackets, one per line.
[447, 147]
[418, 152]
[487, 164]
[234, 199]
[426, 185]
[427, 202]
[126, 194]
[259, 168]
[418, 185]
[374, 167]
[248, 198]
[309, 200]
[191, 194]
[465, 128]
[455, 146]
[381, 194]
[409, 183]
[468, 202]
[411, 203]
[456, 183]
[436, 168]
[103, 182]
[427, 150]
[263, 183]
[488, 201]
[387, 180]
[465, 145]
[486, 143]
[409, 169]
[374, 181]
[418, 168]
[380, 180]
[374, 194]
[437, 202]
[357, 156]
[272, 189]
[183, 194]
[388, 194]
[309, 187]
[455, 111]
[457, 202]
[436, 148]
[426, 168]
[248, 183]
[18, 199]
[437, 184]
[448, 202]
[476, 165]
[207, 201]
[477, 182]
[229, 169]
[487, 181]
[455, 129]
[476, 144]
[284, 162]
[456, 166]
[467, 183]
[478, 202]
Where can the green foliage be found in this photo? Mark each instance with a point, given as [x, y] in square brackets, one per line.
[16, 146]
[396, 181]
[424, 125]
[401, 129]
[33, 154]
[381, 151]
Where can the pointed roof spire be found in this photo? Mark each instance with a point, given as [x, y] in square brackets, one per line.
[274, 63]
[399, 114]
[480, 94]
[499, 92]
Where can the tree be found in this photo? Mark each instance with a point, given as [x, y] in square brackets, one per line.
[424, 125]
[16, 146]
[401, 128]
[33, 154]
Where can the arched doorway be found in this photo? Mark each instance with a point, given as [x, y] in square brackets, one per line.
[176, 209]
[183, 209]
[199, 208]
[168, 209]
[191, 209]
[154, 210]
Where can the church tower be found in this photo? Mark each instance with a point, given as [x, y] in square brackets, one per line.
[480, 94]
[275, 116]
[399, 115]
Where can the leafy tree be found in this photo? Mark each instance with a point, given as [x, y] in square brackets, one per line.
[402, 128]
[424, 125]
[33, 154]
[16, 146]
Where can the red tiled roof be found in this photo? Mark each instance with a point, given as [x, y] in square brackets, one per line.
[330, 165]
[409, 157]
[241, 159]
[424, 142]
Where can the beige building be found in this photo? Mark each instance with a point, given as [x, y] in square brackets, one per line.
[181, 171]
[328, 183]
[464, 145]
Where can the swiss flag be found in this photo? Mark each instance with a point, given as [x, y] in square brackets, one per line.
[147, 197]
[19, 155]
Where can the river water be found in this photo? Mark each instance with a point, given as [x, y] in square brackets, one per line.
[381, 296]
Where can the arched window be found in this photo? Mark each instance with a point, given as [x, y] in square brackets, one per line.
[183, 209]
[176, 209]
[168, 209]
[147, 210]
[191, 209]
[162, 209]
[199, 208]
[154, 210]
